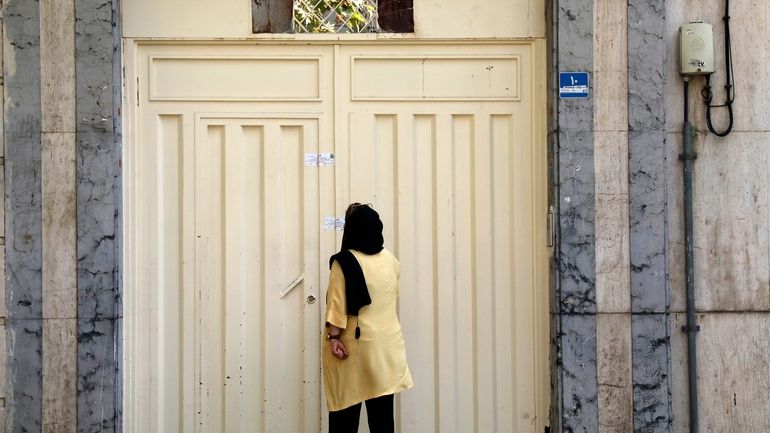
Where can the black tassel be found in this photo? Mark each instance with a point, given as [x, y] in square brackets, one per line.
[358, 332]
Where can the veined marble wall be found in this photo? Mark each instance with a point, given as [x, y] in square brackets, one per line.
[619, 353]
[731, 228]
[23, 207]
[621, 364]
[62, 93]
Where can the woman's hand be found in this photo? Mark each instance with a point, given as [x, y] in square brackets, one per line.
[338, 349]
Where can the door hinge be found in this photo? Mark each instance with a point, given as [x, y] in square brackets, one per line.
[137, 91]
[551, 235]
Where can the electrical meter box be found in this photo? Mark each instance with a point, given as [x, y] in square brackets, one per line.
[696, 49]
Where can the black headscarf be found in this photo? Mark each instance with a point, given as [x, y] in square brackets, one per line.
[363, 232]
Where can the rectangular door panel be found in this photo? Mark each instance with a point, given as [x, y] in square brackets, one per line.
[252, 203]
[229, 216]
[455, 183]
[223, 236]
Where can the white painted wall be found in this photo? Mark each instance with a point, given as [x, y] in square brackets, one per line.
[433, 18]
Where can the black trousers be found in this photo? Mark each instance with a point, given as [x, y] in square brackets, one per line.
[379, 412]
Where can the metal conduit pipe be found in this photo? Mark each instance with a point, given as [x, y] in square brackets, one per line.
[688, 157]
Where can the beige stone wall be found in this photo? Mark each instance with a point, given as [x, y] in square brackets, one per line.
[57, 97]
[732, 223]
[613, 296]
[732, 209]
[57, 73]
[2, 233]
[731, 228]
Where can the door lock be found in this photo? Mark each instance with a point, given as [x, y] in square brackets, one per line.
[311, 299]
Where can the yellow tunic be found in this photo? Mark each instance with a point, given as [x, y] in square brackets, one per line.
[376, 362]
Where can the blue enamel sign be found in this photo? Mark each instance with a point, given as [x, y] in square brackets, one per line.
[573, 84]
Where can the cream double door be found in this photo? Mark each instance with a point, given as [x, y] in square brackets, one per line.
[230, 222]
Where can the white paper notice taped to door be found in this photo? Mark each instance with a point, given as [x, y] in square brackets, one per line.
[332, 223]
[319, 159]
[325, 159]
[311, 159]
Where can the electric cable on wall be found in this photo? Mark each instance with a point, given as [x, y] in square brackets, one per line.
[729, 87]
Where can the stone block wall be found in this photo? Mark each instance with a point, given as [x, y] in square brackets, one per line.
[620, 352]
[731, 227]
[61, 134]
[2, 241]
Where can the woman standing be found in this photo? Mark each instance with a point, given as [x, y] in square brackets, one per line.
[363, 353]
